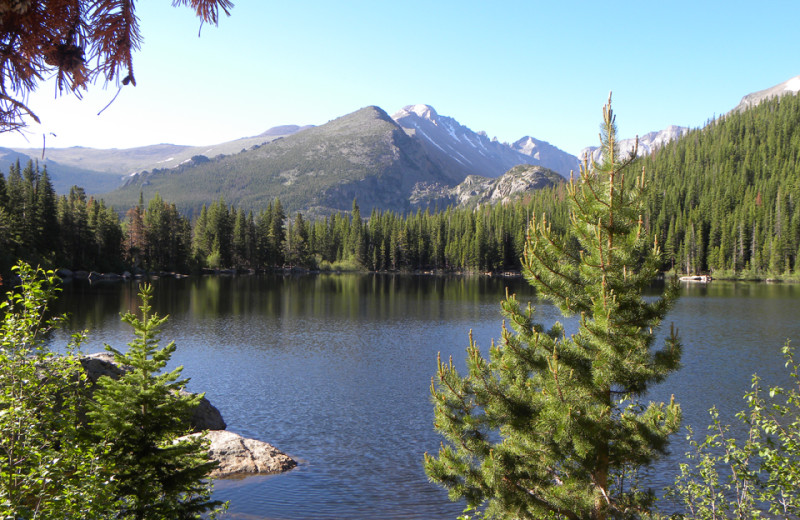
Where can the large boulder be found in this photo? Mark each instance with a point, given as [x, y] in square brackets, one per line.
[100, 364]
[238, 455]
[205, 417]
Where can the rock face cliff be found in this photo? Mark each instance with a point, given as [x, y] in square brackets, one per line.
[515, 182]
[235, 454]
[476, 190]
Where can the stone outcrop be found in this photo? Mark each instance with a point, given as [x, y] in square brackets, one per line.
[100, 364]
[206, 416]
[238, 455]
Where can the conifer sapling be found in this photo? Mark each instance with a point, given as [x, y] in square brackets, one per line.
[550, 425]
[142, 414]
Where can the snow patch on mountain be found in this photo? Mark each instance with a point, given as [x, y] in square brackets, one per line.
[423, 111]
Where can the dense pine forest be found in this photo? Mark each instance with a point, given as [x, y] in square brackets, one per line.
[725, 198]
[722, 200]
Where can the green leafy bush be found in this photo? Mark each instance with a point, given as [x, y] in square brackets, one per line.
[48, 467]
[754, 477]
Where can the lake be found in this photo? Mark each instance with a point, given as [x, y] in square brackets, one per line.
[335, 370]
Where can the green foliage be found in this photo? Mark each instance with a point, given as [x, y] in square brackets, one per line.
[550, 426]
[133, 466]
[71, 231]
[48, 468]
[140, 416]
[754, 477]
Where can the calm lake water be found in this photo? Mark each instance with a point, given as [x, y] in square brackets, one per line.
[335, 370]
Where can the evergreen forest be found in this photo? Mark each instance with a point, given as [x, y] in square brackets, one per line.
[723, 201]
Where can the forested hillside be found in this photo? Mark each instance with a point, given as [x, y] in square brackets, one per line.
[725, 198]
[722, 199]
[319, 171]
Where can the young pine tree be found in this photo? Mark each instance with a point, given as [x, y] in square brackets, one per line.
[550, 426]
[141, 415]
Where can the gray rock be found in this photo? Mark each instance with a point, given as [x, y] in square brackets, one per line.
[63, 272]
[100, 364]
[239, 455]
[205, 416]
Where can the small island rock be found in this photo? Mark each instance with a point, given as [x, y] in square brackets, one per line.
[239, 455]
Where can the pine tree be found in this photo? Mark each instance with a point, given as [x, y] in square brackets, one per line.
[141, 415]
[550, 426]
[135, 243]
[47, 232]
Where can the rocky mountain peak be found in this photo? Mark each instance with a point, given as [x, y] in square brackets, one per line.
[648, 143]
[790, 86]
[460, 151]
[422, 111]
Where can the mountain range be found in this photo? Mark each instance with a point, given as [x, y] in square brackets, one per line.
[413, 159]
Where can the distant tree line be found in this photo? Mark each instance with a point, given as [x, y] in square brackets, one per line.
[80, 232]
[487, 239]
[724, 200]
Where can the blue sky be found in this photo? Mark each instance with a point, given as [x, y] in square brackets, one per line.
[511, 68]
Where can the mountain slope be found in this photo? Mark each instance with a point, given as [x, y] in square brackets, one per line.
[545, 154]
[460, 152]
[102, 170]
[62, 176]
[363, 155]
[791, 86]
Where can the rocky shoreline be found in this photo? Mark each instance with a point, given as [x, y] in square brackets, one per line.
[236, 455]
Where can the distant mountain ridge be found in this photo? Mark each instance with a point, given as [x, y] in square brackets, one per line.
[415, 158]
[101, 170]
[790, 86]
[461, 152]
[364, 155]
[648, 143]
[454, 148]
